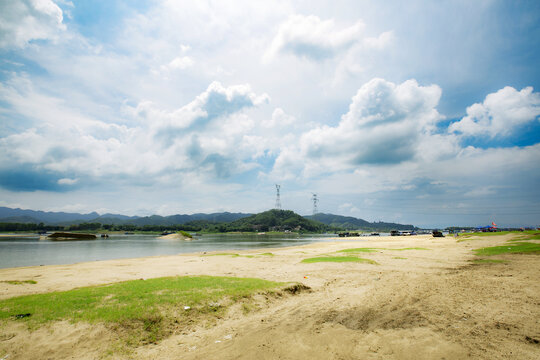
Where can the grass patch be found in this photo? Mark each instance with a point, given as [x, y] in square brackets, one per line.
[486, 234]
[521, 235]
[399, 258]
[19, 282]
[267, 254]
[512, 248]
[338, 259]
[223, 254]
[145, 310]
[487, 261]
[185, 233]
[359, 250]
[525, 237]
[247, 308]
[370, 250]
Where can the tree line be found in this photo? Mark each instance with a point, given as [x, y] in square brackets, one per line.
[192, 226]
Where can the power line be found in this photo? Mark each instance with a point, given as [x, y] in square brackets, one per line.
[278, 198]
[315, 201]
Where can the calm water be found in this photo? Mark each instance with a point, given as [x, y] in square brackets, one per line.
[27, 251]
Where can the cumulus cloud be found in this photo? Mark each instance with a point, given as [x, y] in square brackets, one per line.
[500, 113]
[26, 20]
[209, 135]
[279, 119]
[217, 102]
[181, 63]
[315, 39]
[384, 125]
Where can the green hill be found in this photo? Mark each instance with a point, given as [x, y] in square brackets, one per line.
[278, 220]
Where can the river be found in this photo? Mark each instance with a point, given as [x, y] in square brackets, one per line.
[29, 250]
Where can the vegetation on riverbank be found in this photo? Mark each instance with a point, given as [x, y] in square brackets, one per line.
[368, 250]
[512, 248]
[147, 309]
[338, 259]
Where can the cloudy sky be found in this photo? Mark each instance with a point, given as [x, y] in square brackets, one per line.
[416, 112]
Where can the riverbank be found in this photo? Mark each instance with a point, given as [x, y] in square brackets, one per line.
[419, 297]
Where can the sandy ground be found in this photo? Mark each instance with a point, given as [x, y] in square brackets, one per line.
[175, 236]
[416, 304]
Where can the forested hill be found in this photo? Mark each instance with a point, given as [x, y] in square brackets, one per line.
[352, 223]
[278, 220]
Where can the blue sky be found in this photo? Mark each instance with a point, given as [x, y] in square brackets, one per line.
[416, 112]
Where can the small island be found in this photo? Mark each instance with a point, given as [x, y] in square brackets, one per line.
[62, 236]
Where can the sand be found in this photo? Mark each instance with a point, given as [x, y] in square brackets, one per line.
[416, 304]
[175, 236]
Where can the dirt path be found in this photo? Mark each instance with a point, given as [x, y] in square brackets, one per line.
[416, 304]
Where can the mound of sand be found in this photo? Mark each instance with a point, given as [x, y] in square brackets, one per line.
[176, 236]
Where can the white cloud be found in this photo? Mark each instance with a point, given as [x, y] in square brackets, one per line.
[181, 63]
[210, 135]
[380, 42]
[385, 125]
[217, 102]
[22, 21]
[67, 181]
[279, 119]
[349, 208]
[315, 39]
[500, 113]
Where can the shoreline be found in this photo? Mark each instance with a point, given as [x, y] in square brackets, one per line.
[157, 265]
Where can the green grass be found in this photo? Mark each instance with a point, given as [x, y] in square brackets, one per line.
[19, 282]
[185, 233]
[369, 250]
[399, 258]
[484, 234]
[358, 250]
[267, 254]
[522, 235]
[487, 261]
[513, 248]
[231, 254]
[223, 254]
[338, 259]
[146, 309]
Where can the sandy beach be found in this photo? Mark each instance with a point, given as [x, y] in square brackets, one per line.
[431, 303]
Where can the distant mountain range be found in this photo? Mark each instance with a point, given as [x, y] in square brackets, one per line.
[32, 216]
[9, 215]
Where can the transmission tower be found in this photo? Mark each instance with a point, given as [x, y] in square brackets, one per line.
[278, 199]
[315, 201]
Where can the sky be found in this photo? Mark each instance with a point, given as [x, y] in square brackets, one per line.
[417, 112]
